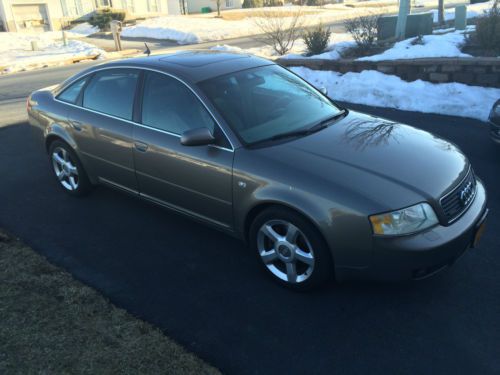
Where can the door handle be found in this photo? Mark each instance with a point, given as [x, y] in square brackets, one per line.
[141, 146]
[77, 125]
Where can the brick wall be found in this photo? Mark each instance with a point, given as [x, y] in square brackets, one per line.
[480, 71]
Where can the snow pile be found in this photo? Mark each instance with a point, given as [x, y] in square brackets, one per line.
[473, 10]
[377, 89]
[444, 45]
[16, 54]
[84, 29]
[264, 51]
[168, 27]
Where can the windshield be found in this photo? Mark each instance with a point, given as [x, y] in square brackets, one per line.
[266, 102]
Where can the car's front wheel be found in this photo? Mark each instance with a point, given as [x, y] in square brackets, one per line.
[291, 249]
[68, 169]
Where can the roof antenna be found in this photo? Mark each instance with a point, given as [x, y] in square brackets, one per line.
[147, 51]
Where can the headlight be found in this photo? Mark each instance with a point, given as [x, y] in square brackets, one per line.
[408, 220]
[496, 109]
[495, 113]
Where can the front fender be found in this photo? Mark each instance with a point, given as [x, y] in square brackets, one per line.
[346, 232]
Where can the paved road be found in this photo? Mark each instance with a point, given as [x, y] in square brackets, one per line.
[206, 290]
[15, 88]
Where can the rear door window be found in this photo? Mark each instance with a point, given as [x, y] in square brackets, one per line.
[112, 92]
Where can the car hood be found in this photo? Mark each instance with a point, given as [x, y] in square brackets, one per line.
[378, 149]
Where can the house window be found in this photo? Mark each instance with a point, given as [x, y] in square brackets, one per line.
[229, 3]
[103, 3]
[153, 6]
[128, 5]
[72, 8]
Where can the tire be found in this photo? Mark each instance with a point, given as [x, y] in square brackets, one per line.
[286, 242]
[68, 170]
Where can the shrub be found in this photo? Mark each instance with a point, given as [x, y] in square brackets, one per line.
[487, 34]
[102, 17]
[253, 3]
[317, 39]
[363, 30]
[273, 3]
[279, 30]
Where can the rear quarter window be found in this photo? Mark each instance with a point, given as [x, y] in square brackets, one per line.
[71, 93]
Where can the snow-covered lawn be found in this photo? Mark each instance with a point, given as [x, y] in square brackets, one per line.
[199, 28]
[203, 28]
[374, 88]
[16, 54]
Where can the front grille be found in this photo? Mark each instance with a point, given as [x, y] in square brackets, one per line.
[456, 202]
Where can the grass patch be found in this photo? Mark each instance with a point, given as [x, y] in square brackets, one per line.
[51, 323]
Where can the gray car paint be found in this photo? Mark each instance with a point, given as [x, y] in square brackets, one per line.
[361, 165]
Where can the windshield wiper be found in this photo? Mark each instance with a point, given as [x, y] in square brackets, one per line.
[303, 132]
[313, 129]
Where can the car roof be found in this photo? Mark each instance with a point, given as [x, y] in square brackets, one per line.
[195, 65]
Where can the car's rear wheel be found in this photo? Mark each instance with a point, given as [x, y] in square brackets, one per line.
[291, 249]
[68, 169]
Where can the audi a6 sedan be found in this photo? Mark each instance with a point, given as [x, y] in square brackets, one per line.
[242, 144]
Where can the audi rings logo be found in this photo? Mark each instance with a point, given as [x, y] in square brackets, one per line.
[467, 194]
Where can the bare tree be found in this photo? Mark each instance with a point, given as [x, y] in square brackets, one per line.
[441, 12]
[279, 29]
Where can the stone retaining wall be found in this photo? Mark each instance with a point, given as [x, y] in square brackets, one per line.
[481, 71]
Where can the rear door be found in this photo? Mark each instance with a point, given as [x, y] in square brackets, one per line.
[193, 179]
[103, 127]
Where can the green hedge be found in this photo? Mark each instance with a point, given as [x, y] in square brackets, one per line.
[102, 17]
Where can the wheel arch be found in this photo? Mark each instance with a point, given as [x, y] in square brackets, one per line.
[62, 137]
[57, 134]
[261, 206]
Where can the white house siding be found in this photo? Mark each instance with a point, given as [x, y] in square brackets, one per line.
[148, 8]
[194, 6]
[172, 6]
[44, 15]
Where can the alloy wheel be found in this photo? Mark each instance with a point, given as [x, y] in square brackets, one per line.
[65, 169]
[285, 251]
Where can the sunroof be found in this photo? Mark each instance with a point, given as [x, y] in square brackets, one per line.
[200, 58]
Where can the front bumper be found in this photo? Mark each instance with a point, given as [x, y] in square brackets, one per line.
[424, 254]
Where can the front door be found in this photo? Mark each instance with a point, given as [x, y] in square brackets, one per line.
[193, 179]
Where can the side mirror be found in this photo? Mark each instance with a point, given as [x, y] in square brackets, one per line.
[323, 90]
[197, 137]
[495, 113]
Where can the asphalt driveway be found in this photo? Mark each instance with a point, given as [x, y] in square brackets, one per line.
[206, 290]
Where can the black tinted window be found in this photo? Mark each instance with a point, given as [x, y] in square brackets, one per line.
[70, 94]
[169, 105]
[112, 92]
